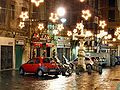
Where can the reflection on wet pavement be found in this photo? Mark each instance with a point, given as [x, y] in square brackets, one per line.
[109, 80]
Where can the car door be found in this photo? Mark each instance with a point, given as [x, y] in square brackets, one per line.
[36, 64]
[48, 63]
[29, 66]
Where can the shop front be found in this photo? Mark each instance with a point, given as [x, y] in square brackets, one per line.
[7, 56]
[19, 51]
[41, 49]
[63, 49]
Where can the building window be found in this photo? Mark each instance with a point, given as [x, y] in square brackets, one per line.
[12, 12]
[111, 16]
[2, 11]
[111, 3]
[24, 9]
[35, 13]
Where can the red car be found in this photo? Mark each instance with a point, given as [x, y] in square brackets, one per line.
[40, 66]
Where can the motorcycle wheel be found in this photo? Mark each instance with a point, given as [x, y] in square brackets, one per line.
[89, 69]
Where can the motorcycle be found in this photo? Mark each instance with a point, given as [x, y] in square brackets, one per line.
[93, 64]
[66, 68]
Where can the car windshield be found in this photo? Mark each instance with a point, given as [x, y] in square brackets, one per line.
[30, 62]
[37, 61]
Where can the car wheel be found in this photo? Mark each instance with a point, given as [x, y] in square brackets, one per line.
[63, 73]
[56, 75]
[21, 71]
[100, 69]
[40, 73]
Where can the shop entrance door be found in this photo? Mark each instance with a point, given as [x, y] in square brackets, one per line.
[6, 57]
[19, 52]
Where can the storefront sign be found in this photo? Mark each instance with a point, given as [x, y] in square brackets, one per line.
[20, 42]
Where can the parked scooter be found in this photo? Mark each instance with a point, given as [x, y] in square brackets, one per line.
[66, 67]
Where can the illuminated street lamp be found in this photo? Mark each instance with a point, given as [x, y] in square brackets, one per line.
[82, 35]
[63, 20]
[61, 11]
[56, 16]
[82, 0]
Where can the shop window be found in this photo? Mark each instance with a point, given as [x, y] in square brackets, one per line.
[35, 13]
[12, 12]
[111, 3]
[38, 52]
[6, 57]
[111, 16]
[24, 9]
[48, 51]
[2, 11]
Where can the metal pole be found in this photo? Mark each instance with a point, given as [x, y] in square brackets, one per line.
[30, 32]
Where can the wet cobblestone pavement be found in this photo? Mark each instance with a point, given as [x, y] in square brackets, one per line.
[109, 80]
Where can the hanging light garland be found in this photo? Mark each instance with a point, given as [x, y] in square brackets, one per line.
[75, 31]
[21, 25]
[102, 24]
[88, 34]
[80, 26]
[55, 32]
[69, 33]
[86, 14]
[37, 2]
[41, 26]
[60, 27]
[24, 15]
[114, 39]
[53, 17]
[102, 33]
[117, 33]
